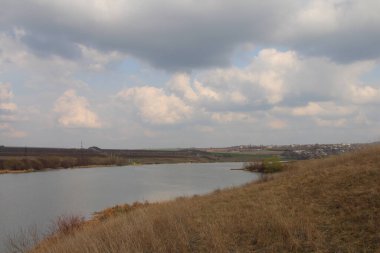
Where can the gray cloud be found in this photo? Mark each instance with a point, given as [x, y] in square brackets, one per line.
[183, 35]
[169, 34]
[342, 30]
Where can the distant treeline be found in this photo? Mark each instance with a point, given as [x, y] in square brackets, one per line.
[34, 158]
[41, 163]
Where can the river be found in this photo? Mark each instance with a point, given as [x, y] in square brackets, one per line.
[36, 199]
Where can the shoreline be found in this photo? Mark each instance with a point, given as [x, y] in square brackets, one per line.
[16, 171]
[7, 171]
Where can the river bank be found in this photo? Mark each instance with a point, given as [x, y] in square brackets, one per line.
[324, 205]
[146, 161]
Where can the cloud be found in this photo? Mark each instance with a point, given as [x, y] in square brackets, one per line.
[364, 94]
[274, 77]
[322, 109]
[155, 106]
[280, 87]
[8, 131]
[9, 113]
[8, 109]
[5, 92]
[74, 111]
[53, 71]
[262, 82]
[180, 84]
[238, 98]
[226, 117]
[277, 124]
[192, 91]
[343, 30]
[187, 35]
[96, 60]
[308, 64]
[331, 123]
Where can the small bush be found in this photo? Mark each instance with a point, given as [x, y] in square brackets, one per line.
[68, 163]
[36, 165]
[256, 166]
[26, 164]
[268, 165]
[272, 164]
[67, 224]
[13, 165]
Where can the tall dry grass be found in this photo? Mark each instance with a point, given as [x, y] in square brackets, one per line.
[329, 205]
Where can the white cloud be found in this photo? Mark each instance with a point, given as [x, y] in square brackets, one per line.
[74, 111]
[5, 92]
[277, 124]
[8, 131]
[274, 77]
[180, 84]
[237, 117]
[204, 129]
[264, 80]
[274, 83]
[331, 122]
[322, 109]
[96, 60]
[238, 98]
[206, 92]
[9, 113]
[364, 94]
[7, 107]
[155, 106]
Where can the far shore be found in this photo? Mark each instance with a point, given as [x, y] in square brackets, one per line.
[16, 171]
[7, 171]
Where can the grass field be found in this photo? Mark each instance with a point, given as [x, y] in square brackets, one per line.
[328, 205]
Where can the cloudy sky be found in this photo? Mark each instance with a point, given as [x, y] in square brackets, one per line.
[184, 73]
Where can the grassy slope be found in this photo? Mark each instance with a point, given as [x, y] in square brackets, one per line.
[330, 205]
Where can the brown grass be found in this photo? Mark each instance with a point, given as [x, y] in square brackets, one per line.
[329, 205]
[67, 224]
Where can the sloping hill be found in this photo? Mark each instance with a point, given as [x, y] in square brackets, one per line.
[329, 205]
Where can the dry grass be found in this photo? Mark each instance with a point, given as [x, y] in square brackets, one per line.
[330, 205]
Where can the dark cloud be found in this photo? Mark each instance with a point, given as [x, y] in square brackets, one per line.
[170, 34]
[176, 35]
[344, 31]
[45, 46]
[346, 48]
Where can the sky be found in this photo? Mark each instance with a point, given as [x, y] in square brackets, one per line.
[188, 73]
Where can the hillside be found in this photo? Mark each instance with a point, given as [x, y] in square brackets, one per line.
[329, 205]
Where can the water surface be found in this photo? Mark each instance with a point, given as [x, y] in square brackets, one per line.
[36, 199]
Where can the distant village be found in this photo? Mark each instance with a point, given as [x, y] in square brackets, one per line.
[302, 152]
[293, 152]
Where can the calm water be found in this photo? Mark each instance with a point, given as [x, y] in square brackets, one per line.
[35, 199]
